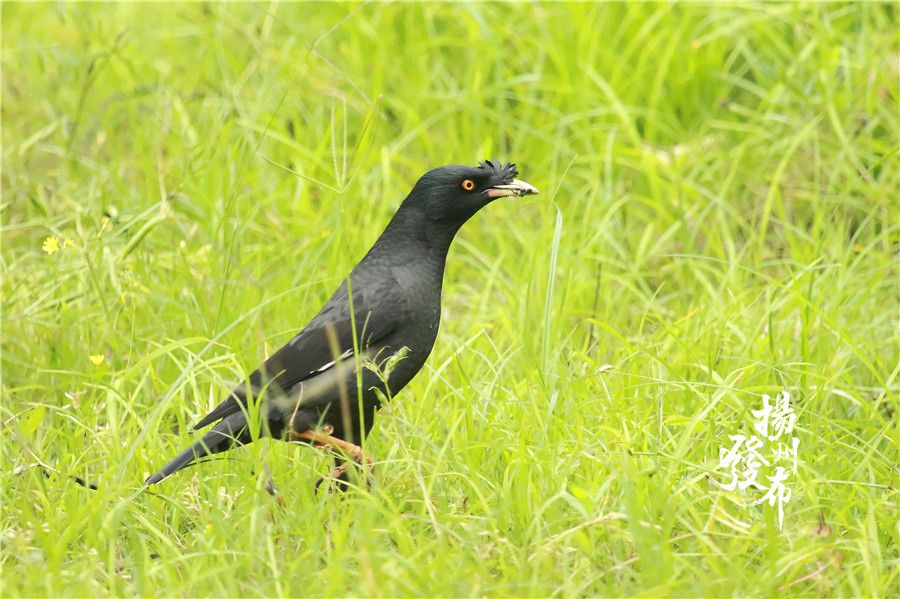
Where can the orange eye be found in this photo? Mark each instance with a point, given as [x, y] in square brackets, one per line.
[468, 185]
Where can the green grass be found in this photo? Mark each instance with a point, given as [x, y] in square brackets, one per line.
[719, 219]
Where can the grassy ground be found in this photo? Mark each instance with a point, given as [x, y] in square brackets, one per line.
[719, 220]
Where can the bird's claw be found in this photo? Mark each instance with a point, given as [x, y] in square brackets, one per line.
[339, 476]
[322, 439]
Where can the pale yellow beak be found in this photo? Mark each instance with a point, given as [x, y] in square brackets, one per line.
[513, 188]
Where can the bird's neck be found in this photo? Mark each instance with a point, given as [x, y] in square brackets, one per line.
[412, 235]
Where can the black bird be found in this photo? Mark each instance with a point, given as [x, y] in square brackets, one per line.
[324, 386]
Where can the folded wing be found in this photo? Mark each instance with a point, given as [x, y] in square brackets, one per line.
[327, 340]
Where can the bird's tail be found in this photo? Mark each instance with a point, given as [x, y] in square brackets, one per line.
[230, 431]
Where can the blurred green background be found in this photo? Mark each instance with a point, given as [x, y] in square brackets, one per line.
[184, 184]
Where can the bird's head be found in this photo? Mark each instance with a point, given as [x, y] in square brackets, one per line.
[454, 193]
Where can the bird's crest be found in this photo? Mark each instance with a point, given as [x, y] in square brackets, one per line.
[507, 171]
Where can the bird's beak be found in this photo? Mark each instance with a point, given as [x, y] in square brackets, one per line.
[513, 188]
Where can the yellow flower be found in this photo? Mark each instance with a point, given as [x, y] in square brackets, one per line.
[98, 359]
[51, 244]
[68, 243]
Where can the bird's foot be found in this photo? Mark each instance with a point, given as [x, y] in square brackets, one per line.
[322, 438]
[341, 473]
[338, 476]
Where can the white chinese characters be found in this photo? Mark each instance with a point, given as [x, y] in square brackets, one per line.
[773, 443]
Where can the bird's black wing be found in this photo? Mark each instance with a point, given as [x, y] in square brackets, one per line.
[327, 339]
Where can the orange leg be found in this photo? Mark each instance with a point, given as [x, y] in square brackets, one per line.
[322, 438]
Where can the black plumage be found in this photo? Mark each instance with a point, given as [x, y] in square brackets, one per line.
[308, 390]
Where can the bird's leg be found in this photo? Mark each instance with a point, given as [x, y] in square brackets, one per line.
[322, 438]
[338, 474]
